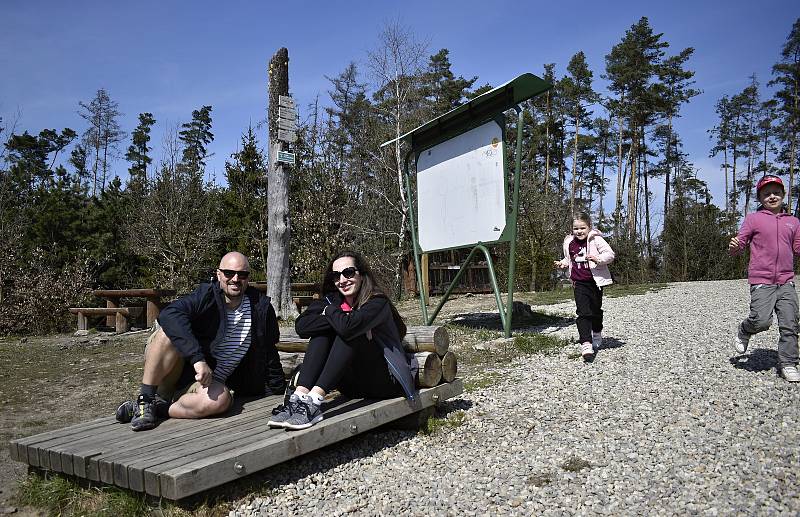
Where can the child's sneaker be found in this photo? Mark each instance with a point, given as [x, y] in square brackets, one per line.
[790, 373]
[742, 340]
[597, 339]
[587, 351]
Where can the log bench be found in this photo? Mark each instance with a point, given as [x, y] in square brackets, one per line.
[121, 315]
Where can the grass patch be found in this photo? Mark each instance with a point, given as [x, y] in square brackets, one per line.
[575, 464]
[57, 495]
[617, 290]
[481, 381]
[540, 479]
[436, 425]
[539, 343]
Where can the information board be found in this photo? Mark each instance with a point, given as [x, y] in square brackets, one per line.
[461, 190]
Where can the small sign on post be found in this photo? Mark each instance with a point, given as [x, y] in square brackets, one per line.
[285, 102]
[287, 136]
[288, 125]
[287, 113]
[286, 157]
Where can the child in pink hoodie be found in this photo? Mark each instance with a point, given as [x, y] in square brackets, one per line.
[774, 239]
[587, 256]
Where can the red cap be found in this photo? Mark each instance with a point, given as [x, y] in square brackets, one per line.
[766, 180]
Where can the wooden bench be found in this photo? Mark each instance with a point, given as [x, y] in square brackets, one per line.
[180, 458]
[153, 300]
[309, 290]
[121, 316]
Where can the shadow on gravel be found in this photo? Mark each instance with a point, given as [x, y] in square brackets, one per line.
[530, 322]
[609, 343]
[758, 360]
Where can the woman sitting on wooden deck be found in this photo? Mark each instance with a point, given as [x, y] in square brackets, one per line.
[356, 344]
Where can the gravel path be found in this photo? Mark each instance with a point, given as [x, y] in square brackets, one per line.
[667, 420]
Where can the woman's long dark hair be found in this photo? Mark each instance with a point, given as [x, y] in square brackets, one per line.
[369, 286]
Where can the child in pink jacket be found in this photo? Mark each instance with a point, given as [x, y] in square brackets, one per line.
[774, 239]
[587, 256]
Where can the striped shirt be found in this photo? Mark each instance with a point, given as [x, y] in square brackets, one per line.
[234, 346]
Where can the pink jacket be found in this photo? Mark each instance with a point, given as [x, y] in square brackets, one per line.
[595, 245]
[774, 239]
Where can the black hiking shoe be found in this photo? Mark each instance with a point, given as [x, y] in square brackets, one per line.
[125, 412]
[144, 416]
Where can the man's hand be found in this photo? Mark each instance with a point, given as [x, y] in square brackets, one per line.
[202, 373]
[734, 244]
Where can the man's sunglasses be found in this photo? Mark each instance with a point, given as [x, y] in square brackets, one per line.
[230, 273]
[348, 272]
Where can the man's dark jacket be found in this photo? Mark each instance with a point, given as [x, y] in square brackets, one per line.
[196, 324]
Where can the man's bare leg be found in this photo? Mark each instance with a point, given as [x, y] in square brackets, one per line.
[204, 402]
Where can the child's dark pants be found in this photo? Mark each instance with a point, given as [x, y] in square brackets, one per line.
[589, 304]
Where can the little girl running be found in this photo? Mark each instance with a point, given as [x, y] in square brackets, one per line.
[587, 255]
[774, 239]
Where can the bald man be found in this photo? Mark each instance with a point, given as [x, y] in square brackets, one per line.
[218, 340]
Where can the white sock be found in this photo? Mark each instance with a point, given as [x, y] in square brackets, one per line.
[301, 395]
[316, 398]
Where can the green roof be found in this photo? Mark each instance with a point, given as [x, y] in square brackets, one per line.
[477, 110]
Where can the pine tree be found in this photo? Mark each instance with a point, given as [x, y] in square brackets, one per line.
[786, 74]
[195, 137]
[102, 135]
[138, 153]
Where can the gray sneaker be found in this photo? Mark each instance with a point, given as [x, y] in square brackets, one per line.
[283, 412]
[305, 414]
[144, 416]
[742, 340]
[790, 373]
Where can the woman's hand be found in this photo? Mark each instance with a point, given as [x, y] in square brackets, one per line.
[734, 244]
[559, 265]
[594, 258]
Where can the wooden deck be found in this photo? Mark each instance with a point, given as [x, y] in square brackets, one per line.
[180, 458]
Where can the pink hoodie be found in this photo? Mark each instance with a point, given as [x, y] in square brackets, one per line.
[774, 239]
[595, 245]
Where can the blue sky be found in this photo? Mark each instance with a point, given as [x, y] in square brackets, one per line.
[172, 57]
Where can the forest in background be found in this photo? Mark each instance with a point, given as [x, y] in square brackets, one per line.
[69, 223]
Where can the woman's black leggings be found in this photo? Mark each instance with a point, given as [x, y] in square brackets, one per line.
[356, 367]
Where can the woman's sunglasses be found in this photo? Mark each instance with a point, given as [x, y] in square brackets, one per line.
[230, 273]
[348, 272]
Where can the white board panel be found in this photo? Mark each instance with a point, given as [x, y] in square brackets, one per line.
[461, 190]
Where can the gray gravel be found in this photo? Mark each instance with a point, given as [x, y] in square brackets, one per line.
[667, 420]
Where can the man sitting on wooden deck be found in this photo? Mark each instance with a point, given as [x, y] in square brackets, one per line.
[214, 341]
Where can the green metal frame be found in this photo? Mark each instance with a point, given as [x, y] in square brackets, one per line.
[483, 108]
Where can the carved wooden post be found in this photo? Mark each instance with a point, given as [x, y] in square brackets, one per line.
[279, 228]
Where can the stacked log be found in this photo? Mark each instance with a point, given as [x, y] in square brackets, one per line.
[418, 339]
[449, 367]
[433, 361]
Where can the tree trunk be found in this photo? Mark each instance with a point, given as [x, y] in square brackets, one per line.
[574, 167]
[279, 228]
[547, 146]
[668, 169]
[620, 183]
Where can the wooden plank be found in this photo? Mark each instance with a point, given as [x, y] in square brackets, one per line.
[183, 457]
[133, 293]
[156, 442]
[152, 477]
[216, 469]
[126, 468]
[33, 444]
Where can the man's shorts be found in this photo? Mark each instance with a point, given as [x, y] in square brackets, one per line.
[180, 380]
